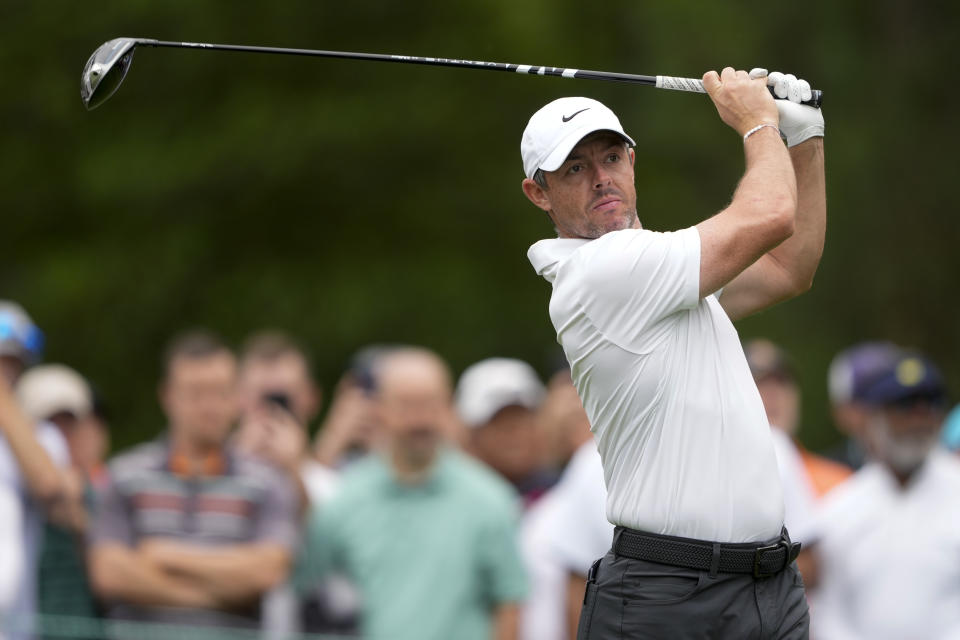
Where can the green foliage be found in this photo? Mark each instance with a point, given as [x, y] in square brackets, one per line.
[353, 202]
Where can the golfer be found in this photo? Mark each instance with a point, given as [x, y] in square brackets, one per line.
[645, 319]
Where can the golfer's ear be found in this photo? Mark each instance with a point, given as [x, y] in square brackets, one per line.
[633, 155]
[536, 194]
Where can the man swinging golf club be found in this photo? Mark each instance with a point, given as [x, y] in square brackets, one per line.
[644, 318]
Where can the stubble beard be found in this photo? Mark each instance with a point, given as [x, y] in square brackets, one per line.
[627, 220]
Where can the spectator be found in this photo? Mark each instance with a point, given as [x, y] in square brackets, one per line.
[60, 396]
[951, 431]
[188, 531]
[805, 476]
[567, 530]
[427, 534]
[279, 398]
[33, 483]
[350, 430]
[497, 400]
[887, 539]
[850, 372]
[11, 556]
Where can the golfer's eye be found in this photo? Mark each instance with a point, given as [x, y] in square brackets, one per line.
[613, 157]
[577, 168]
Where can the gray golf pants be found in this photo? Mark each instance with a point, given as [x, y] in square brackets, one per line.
[627, 598]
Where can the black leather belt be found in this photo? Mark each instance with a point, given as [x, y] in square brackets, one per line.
[760, 560]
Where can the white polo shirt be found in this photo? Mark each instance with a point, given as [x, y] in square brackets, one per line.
[679, 423]
[889, 556]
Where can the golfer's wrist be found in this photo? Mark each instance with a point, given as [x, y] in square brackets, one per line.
[761, 129]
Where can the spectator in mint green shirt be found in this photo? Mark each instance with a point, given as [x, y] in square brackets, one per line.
[427, 534]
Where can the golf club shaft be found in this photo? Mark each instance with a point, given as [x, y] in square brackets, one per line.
[661, 82]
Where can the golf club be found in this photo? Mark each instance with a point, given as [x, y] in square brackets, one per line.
[108, 66]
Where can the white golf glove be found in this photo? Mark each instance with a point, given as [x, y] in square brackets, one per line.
[798, 122]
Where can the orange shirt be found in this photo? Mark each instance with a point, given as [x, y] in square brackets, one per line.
[824, 473]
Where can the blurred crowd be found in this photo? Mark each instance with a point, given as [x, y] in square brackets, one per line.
[427, 506]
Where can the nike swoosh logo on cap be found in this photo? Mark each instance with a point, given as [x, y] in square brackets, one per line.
[574, 115]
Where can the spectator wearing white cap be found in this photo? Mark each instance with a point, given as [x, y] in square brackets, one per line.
[497, 400]
[32, 458]
[59, 395]
[887, 541]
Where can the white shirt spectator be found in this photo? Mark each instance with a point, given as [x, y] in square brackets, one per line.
[677, 416]
[31, 525]
[563, 533]
[799, 500]
[889, 556]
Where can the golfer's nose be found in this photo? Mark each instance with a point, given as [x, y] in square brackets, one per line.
[601, 177]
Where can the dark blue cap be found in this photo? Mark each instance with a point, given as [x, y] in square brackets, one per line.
[910, 378]
[854, 369]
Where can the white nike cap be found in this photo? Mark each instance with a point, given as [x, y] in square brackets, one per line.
[556, 128]
[494, 384]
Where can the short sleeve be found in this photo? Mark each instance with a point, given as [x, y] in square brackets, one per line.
[632, 279]
[111, 517]
[319, 551]
[499, 556]
[277, 521]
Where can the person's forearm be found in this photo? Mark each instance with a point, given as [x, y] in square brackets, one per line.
[506, 622]
[44, 481]
[800, 255]
[232, 575]
[769, 178]
[330, 446]
[119, 573]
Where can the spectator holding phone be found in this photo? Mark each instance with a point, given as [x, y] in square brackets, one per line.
[351, 429]
[278, 400]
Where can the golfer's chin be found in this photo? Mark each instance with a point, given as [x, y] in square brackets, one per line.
[616, 220]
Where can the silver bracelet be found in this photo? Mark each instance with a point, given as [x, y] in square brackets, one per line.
[758, 127]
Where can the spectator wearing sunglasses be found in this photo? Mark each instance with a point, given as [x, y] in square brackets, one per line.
[33, 471]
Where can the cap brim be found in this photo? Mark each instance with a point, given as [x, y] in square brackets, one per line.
[559, 154]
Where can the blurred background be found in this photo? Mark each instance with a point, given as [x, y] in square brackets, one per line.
[355, 202]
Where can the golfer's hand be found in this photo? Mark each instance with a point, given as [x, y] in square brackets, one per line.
[798, 122]
[742, 102]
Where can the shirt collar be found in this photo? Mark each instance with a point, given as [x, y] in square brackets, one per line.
[217, 463]
[546, 256]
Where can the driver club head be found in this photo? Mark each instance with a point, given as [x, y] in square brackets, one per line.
[106, 69]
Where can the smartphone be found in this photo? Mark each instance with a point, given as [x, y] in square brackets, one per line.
[277, 399]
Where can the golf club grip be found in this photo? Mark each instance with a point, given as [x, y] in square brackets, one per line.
[696, 86]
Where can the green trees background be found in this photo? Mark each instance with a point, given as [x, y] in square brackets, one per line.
[352, 202]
